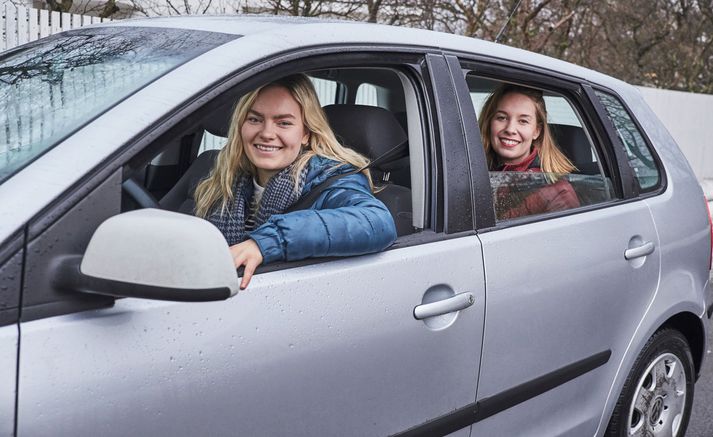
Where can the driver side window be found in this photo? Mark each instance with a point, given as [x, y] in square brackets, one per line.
[384, 128]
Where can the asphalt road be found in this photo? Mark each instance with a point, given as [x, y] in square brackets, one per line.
[701, 424]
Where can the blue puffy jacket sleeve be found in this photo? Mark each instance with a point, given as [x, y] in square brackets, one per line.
[346, 219]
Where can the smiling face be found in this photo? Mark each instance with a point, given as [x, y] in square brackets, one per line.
[513, 128]
[273, 132]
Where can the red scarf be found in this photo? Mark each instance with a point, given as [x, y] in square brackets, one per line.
[531, 163]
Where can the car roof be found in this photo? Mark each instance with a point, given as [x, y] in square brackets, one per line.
[247, 24]
[308, 31]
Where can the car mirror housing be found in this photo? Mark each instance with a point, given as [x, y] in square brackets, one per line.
[153, 254]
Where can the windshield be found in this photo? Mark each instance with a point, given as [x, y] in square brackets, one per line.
[52, 87]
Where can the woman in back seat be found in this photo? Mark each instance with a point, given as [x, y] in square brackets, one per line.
[516, 138]
[280, 147]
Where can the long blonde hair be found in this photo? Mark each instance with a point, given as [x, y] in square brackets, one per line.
[232, 161]
[552, 160]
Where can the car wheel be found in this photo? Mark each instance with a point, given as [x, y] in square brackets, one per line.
[658, 393]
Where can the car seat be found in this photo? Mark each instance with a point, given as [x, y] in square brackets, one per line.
[376, 133]
[180, 197]
[573, 142]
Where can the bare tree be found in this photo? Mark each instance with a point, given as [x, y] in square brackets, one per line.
[663, 43]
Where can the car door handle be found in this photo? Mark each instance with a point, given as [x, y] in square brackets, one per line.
[455, 303]
[639, 251]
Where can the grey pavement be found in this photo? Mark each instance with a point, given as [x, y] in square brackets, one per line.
[701, 424]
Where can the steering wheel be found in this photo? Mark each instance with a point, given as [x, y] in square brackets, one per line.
[139, 194]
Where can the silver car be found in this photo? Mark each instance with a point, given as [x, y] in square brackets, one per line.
[120, 313]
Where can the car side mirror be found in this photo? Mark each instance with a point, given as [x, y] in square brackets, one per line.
[153, 254]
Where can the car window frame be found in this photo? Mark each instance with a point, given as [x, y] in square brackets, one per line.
[173, 124]
[635, 189]
[574, 90]
[12, 255]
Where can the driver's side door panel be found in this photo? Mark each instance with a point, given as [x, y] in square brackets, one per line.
[323, 349]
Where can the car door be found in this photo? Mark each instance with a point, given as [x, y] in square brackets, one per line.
[10, 277]
[317, 348]
[563, 294]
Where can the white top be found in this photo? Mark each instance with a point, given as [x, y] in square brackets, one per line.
[253, 206]
[257, 194]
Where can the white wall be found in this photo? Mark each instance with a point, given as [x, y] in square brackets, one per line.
[20, 25]
[689, 119]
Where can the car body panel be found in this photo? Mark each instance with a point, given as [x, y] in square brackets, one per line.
[551, 286]
[10, 280]
[9, 337]
[315, 350]
[683, 244]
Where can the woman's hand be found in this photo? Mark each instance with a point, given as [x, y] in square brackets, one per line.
[246, 254]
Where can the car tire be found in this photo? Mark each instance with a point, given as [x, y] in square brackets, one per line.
[658, 393]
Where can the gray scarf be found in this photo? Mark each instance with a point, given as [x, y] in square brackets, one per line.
[279, 195]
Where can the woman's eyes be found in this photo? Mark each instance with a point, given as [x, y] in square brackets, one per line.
[523, 121]
[257, 120]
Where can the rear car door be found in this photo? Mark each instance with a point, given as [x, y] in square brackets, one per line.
[564, 296]
[317, 348]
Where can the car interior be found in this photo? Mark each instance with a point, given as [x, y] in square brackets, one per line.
[375, 111]
[367, 110]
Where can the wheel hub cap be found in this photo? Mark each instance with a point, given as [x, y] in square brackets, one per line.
[656, 410]
[659, 399]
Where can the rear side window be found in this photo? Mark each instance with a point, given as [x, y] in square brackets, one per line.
[565, 173]
[640, 158]
[326, 90]
[367, 94]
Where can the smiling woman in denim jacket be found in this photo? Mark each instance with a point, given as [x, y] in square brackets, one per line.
[280, 147]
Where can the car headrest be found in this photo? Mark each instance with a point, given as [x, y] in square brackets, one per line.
[371, 131]
[573, 142]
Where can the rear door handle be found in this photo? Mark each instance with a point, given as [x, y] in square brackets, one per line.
[636, 252]
[455, 303]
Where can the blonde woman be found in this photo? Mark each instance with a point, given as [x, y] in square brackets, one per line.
[280, 146]
[516, 138]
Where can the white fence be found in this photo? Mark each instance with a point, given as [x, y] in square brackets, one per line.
[21, 25]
